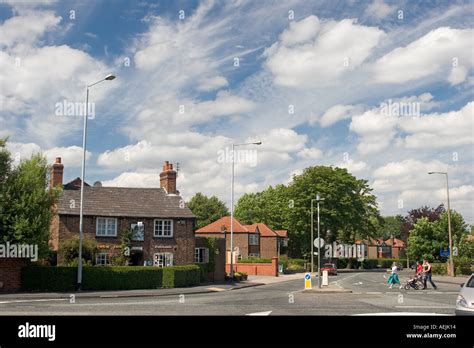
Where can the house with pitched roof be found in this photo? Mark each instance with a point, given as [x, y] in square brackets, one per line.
[163, 226]
[256, 240]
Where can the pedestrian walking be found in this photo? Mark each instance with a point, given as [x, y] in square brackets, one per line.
[427, 274]
[393, 279]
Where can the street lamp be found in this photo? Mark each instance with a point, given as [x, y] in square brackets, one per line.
[232, 210]
[317, 199]
[451, 263]
[84, 134]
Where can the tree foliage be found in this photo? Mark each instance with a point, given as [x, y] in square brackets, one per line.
[432, 214]
[348, 212]
[25, 201]
[207, 209]
[389, 226]
[428, 237]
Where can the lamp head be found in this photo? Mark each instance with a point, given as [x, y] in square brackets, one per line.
[109, 77]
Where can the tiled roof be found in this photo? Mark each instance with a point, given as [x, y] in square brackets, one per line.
[397, 242]
[121, 201]
[282, 233]
[264, 230]
[222, 224]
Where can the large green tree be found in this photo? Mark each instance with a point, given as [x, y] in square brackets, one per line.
[207, 209]
[25, 201]
[428, 237]
[390, 226]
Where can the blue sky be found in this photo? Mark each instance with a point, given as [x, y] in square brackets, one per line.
[310, 82]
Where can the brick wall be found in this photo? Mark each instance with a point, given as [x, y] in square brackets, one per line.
[181, 244]
[10, 274]
[263, 269]
[268, 247]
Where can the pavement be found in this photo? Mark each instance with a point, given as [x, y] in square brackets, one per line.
[369, 295]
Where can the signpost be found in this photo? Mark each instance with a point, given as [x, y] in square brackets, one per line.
[307, 281]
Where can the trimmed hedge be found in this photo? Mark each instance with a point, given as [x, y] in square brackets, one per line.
[255, 260]
[47, 278]
[439, 268]
[368, 263]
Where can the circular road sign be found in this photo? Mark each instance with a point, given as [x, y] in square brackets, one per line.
[317, 241]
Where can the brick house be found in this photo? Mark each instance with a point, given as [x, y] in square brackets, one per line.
[377, 248]
[163, 225]
[256, 240]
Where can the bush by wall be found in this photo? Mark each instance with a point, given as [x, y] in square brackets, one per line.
[254, 260]
[46, 278]
[439, 268]
[368, 263]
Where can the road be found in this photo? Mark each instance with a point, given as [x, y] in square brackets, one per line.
[370, 295]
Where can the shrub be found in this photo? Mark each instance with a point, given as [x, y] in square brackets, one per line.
[439, 268]
[255, 260]
[180, 276]
[69, 250]
[46, 278]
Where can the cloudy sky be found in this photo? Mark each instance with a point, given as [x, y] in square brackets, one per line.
[383, 88]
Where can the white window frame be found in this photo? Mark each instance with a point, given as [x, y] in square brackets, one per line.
[107, 221]
[201, 258]
[256, 236]
[162, 221]
[105, 258]
[165, 262]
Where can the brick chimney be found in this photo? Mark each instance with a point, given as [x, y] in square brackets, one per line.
[168, 178]
[57, 173]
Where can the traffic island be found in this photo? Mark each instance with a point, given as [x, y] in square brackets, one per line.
[328, 290]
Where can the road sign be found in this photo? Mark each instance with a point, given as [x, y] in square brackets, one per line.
[317, 241]
[444, 252]
[307, 281]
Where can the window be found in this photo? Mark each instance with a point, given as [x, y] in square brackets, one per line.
[201, 255]
[163, 259]
[254, 255]
[102, 259]
[163, 228]
[106, 227]
[253, 239]
[138, 231]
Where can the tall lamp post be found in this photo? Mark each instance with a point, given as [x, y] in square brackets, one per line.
[451, 263]
[317, 199]
[232, 209]
[84, 136]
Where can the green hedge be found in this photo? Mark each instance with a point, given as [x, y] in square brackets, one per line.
[439, 268]
[181, 276]
[47, 278]
[255, 260]
[367, 263]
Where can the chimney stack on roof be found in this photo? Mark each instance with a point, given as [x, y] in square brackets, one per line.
[57, 173]
[168, 178]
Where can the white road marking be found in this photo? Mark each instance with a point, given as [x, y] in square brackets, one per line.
[374, 293]
[39, 300]
[215, 289]
[439, 307]
[260, 313]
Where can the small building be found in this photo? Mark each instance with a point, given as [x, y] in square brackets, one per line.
[377, 248]
[163, 226]
[256, 240]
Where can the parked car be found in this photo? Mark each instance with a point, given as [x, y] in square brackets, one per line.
[330, 267]
[465, 300]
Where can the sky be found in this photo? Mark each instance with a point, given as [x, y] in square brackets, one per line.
[382, 88]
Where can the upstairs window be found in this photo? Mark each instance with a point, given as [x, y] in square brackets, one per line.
[254, 239]
[106, 227]
[163, 228]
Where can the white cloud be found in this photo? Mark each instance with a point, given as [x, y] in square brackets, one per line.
[436, 130]
[444, 53]
[320, 55]
[71, 155]
[26, 29]
[310, 153]
[339, 112]
[353, 166]
[378, 9]
[212, 83]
